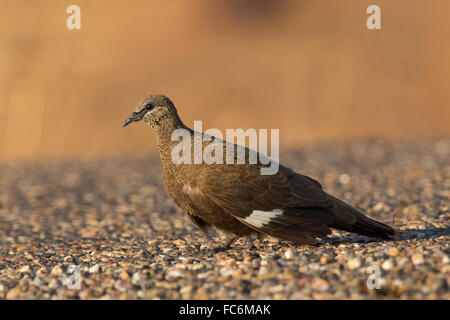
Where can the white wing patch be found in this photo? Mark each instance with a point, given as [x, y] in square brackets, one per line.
[259, 218]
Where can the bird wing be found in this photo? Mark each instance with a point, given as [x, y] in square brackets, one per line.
[286, 205]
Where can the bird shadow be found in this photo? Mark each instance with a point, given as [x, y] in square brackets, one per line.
[407, 234]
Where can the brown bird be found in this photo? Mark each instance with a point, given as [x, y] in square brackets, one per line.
[239, 200]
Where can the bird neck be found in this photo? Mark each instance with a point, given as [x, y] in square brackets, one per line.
[163, 131]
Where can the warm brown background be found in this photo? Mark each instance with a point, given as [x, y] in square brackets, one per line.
[308, 67]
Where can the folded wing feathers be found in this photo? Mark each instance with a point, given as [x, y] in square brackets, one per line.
[260, 218]
[298, 224]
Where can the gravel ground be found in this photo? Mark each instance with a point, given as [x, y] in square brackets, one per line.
[113, 222]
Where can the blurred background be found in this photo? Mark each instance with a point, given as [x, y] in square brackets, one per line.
[310, 68]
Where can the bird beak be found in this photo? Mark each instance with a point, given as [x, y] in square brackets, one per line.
[132, 118]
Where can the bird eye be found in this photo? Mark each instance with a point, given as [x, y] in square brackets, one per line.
[149, 106]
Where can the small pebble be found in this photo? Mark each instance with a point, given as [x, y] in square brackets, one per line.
[392, 252]
[289, 254]
[25, 269]
[417, 259]
[94, 269]
[354, 263]
[387, 265]
[57, 270]
[173, 274]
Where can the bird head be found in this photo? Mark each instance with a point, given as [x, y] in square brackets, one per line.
[153, 110]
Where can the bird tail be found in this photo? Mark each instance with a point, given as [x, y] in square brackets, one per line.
[350, 219]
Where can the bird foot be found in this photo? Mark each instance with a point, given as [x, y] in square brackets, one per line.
[208, 251]
[225, 247]
[220, 249]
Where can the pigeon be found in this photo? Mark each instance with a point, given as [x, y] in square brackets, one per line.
[237, 198]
